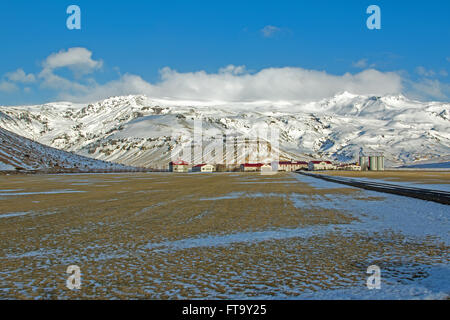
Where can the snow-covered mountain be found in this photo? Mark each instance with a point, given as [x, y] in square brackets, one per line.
[139, 131]
[19, 153]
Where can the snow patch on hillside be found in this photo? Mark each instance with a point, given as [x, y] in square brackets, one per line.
[6, 167]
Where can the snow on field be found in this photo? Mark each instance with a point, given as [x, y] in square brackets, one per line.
[13, 214]
[40, 192]
[409, 216]
[242, 237]
[237, 195]
[376, 213]
[435, 286]
[35, 253]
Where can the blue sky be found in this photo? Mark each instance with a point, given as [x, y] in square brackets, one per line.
[132, 41]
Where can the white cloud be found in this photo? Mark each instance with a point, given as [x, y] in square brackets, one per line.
[429, 73]
[20, 76]
[11, 79]
[7, 87]
[228, 84]
[269, 31]
[360, 64]
[234, 84]
[274, 84]
[79, 60]
[430, 89]
[425, 72]
[363, 64]
[233, 69]
[125, 85]
[55, 82]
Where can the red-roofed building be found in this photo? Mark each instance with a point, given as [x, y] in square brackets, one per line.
[178, 166]
[251, 167]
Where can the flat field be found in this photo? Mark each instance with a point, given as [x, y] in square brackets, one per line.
[222, 235]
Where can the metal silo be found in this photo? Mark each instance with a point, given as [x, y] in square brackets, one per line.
[364, 163]
[380, 163]
[373, 165]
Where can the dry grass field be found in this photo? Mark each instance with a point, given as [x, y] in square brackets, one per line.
[175, 236]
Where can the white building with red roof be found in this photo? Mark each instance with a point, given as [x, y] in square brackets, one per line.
[251, 167]
[179, 166]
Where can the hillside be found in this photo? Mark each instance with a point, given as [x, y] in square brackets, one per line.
[21, 154]
[139, 131]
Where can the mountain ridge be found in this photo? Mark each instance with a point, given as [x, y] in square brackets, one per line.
[139, 131]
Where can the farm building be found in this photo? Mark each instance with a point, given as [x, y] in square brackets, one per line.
[228, 168]
[178, 166]
[320, 165]
[251, 167]
[290, 166]
[267, 169]
[204, 168]
[349, 167]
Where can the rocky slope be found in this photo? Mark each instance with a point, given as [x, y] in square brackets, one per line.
[21, 154]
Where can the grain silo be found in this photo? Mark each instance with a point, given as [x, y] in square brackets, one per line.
[373, 165]
[364, 163]
[380, 163]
